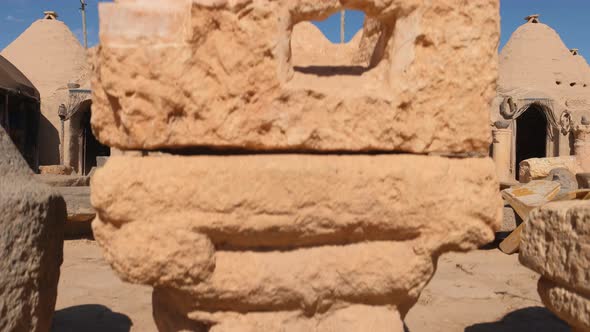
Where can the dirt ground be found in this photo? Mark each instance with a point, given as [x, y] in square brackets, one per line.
[482, 291]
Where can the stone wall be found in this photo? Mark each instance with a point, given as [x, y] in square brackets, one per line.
[282, 197]
[556, 244]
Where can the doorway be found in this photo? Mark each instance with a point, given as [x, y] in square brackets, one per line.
[92, 147]
[84, 147]
[531, 136]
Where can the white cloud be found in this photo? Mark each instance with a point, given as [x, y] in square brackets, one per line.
[11, 18]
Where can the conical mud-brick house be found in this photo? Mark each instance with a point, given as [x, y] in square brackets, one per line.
[51, 56]
[543, 93]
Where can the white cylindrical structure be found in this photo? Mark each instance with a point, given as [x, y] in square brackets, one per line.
[502, 151]
[582, 145]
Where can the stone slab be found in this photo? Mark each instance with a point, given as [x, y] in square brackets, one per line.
[63, 180]
[556, 244]
[345, 318]
[31, 244]
[78, 203]
[301, 200]
[539, 168]
[316, 277]
[219, 74]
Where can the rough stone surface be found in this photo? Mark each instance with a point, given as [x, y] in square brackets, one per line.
[290, 231]
[78, 203]
[55, 170]
[31, 244]
[539, 168]
[314, 233]
[351, 318]
[63, 180]
[567, 305]
[556, 244]
[300, 200]
[510, 219]
[219, 74]
[565, 178]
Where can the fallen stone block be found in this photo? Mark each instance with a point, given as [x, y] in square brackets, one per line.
[566, 179]
[80, 211]
[63, 180]
[568, 305]
[556, 244]
[220, 74]
[56, 170]
[31, 244]
[539, 168]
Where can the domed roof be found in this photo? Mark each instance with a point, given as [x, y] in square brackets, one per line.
[535, 57]
[12, 80]
[49, 54]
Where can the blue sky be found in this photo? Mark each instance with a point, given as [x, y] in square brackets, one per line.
[568, 17]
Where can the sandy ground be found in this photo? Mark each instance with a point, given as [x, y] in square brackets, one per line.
[482, 291]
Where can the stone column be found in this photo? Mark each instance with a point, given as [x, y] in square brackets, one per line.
[582, 144]
[274, 197]
[502, 150]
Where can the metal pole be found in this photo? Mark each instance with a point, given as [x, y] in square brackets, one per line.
[342, 19]
[83, 9]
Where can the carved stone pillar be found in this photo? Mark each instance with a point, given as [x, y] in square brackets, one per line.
[502, 136]
[582, 144]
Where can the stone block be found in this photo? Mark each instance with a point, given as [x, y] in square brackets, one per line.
[31, 244]
[301, 200]
[221, 74]
[556, 244]
[63, 180]
[539, 168]
[566, 304]
[288, 234]
[343, 318]
[55, 170]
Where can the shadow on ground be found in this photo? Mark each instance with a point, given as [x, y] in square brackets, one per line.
[89, 318]
[532, 319]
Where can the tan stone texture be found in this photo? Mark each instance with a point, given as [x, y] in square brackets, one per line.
[220, 74]
[556, 243]
[290, 231]
[295, 239]
[346, 318]
[566, 304]
[296, 200]
[539, 168]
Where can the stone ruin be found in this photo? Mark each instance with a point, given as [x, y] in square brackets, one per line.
[273, 197]
[542, 97]
[556, 244]
[31, 244]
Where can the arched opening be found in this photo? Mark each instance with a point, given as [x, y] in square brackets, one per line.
[531, 135]
[84, 147]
